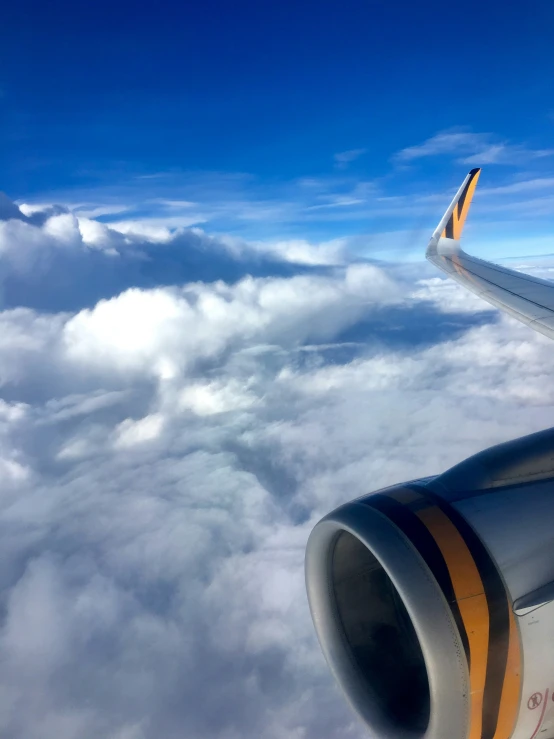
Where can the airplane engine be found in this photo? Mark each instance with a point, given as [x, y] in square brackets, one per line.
[433, 601]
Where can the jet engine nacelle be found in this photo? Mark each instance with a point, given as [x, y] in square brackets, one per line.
[433, 601]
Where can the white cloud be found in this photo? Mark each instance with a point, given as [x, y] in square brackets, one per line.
[300, 251]
[129, 432]
[344, 158]
[157, 230]
[30, 209]
[474, 149]
[447, 296]
[505, 154]
[206, 399]
[521, 186]
[95, 211]
[490, 155]
[63, 229]
[97, 235]
[179, 204]
[446, 142]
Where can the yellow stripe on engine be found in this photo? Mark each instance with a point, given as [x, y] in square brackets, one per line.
[472, 602]
[511, 690]
[475, 615]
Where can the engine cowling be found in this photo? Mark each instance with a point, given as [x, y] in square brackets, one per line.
[433, 601]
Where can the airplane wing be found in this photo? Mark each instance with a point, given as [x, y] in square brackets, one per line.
[529, 299]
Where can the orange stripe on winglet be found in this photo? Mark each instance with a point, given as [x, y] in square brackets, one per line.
[459, 222]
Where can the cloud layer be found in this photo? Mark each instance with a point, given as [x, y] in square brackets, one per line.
[165, 450]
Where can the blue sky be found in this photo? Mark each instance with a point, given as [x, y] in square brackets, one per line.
[276, 120]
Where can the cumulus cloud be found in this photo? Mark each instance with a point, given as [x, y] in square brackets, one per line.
[165, 451]
[166, 330]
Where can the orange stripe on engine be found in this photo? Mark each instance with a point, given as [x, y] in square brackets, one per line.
[511, 690]
[472, 602]
[475, 615]
[463, 570]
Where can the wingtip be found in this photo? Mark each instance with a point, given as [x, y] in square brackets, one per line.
[452, 223]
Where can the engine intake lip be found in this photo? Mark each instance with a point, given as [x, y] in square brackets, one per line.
[431, 617]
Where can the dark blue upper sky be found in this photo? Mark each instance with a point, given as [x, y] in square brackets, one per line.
[104, 95]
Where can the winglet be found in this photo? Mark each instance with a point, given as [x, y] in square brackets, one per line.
[452, 223]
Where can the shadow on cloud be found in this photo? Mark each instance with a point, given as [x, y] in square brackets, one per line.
[413, 326]
[54, 261]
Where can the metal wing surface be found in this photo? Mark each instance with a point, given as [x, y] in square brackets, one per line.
[529, 299]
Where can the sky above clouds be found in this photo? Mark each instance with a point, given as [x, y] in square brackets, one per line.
[270, 120]
[216, 325]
